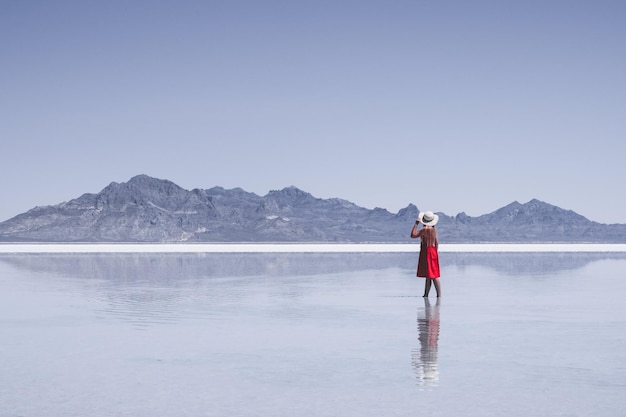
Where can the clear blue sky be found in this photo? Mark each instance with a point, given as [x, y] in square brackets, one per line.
[450, 105]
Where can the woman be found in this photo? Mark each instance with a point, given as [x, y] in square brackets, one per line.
[428, 262]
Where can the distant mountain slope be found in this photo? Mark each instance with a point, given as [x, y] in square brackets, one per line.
[147, 209]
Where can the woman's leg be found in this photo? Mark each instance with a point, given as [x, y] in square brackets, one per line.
[437, 286]
[427, 286]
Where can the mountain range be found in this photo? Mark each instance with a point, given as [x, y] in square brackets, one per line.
[147, 209]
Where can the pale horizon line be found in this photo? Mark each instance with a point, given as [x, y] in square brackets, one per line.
[43, 248]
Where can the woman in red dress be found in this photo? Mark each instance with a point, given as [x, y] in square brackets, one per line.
[428, 262]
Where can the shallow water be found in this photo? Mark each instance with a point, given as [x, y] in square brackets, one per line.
[311, 334]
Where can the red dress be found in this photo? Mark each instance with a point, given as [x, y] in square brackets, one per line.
[428, 261]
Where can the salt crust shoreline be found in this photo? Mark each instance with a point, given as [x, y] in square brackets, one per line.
[26, 248]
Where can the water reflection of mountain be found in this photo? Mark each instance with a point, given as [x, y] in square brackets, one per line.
[527, 263]
[112, 266]
[107, 266]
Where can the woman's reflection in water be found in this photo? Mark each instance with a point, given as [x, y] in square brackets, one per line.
[425, 359]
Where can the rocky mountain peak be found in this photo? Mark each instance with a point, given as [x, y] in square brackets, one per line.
[291, 196]
[409, 212]
[147, 209]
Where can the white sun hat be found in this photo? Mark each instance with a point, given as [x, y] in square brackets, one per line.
[428, 218]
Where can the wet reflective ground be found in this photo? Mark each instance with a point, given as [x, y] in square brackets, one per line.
[312, 334]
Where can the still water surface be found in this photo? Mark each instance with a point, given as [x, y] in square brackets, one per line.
[312, 335]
